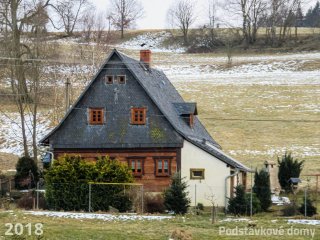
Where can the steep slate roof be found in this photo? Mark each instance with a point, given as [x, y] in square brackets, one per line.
[172, 106]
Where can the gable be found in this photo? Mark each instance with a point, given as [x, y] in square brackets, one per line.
[116, 100]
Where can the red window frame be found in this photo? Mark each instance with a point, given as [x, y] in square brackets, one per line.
[96, 116]
[136, 166]
[138, 116]
[162, 166]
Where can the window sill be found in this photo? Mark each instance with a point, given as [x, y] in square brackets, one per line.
[162, 175]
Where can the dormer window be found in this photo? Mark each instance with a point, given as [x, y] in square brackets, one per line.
[96, 116]
[109, 79]
[121, 79]
[191, 120]
[138, 116]
[186, 111]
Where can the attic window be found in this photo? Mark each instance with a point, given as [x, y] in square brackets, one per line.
[197, 173]
[96, 116]
[138, 116]
[109, 79]
[121, 79]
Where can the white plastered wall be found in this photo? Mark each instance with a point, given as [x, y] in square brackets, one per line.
[216, 171]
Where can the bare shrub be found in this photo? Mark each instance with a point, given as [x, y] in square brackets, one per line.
[154, 203]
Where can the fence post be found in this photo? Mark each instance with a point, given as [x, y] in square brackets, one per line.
[142, 200]
[38, 195]
[195, 195]
[89, 197]
[305, 202]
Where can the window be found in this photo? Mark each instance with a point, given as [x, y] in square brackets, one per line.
[138, 116]
[121, 79]
[136, 166]
[162, 167]
[191, 120]
[96, 116]
[196, 173]
[109, 79]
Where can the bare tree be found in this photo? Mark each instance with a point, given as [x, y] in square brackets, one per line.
[16, 16]
[99, 26]
[281, 15]
[251, 12]
[182, 15]
[69, 12]
[124, 13]
[88, 23]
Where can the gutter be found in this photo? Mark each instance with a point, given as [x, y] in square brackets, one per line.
[226, 188]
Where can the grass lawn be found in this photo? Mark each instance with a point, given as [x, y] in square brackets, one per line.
[199, 227]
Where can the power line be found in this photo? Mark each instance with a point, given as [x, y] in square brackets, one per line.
[206, 118]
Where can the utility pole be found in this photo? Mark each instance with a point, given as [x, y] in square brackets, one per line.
[68, 88]
[251, 194]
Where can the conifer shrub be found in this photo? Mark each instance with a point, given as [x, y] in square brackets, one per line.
[288, 168]
[311, 209]
[176, 196]
[27, 174]
[262, 188]
[240, 204]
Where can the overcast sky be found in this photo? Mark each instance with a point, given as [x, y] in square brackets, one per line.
[156, 11]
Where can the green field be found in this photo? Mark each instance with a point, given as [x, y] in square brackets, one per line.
[199, 227]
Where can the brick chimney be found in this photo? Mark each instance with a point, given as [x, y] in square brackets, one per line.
[145, 57]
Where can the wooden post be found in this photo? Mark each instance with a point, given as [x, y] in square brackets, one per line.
[67, 94]
[317, 185]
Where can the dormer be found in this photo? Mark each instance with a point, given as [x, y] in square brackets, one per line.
[187, 111]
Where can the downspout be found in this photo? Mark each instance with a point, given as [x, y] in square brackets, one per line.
[226, 188]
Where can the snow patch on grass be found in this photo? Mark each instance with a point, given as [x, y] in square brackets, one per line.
[152, 41]
[304, 221]
[275, 73]
[104, 217]
[235, 220]
[10, 133]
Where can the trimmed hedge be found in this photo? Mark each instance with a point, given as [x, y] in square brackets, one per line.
[67, 184]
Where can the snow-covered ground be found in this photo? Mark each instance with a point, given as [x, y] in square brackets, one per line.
[104, 217]
[304, 221]
[10, 134]
[235, 220]
[276, 70]
[274, 151]
[152, 41]
[280, 200]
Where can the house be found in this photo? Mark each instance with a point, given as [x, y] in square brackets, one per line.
[132, 112]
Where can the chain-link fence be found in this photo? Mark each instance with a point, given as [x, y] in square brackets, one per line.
[93, 197]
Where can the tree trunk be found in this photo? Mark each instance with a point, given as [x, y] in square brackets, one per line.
[20, 88]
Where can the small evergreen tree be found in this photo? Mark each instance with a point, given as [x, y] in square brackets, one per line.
[27, 174]
[238, 204]
[288, 168]
[256, 206]
[262, 188]
[311, 210]
[176, 197]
